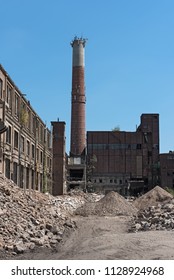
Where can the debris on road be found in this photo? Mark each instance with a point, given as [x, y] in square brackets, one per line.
[112, 204]
[156, 211]
[29, 219]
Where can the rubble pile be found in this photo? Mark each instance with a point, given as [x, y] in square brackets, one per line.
[111, 204]
[156, 211]
[158, 217]
[152, 198]
[29, 219]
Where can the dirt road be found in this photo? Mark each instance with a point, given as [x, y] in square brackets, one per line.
[108, 238]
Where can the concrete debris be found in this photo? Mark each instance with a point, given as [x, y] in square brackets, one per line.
[152, 198]
[111, 204]
[30, 219]
[156, 211]
[160, 217]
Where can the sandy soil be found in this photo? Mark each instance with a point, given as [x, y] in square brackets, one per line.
[108, 238]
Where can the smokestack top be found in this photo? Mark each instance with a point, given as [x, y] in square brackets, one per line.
[77, 41]
[78, 45]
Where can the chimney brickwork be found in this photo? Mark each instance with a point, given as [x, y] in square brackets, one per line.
[78, 129]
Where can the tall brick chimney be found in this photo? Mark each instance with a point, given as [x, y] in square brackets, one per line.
[78, 129]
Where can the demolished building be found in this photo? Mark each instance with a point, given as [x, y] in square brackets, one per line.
[126, 162]
[34, 157]
[25, 148]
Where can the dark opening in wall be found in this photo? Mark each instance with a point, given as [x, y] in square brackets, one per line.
[76, 174]
[7, 168]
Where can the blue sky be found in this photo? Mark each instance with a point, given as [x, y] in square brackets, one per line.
[129, 59]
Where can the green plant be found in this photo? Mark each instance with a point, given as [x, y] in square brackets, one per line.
[170, 190]
[23, 116]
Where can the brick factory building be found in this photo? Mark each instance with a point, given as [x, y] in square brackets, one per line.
[35, 158]
[127, 162]
[167, 169]
[25, 148]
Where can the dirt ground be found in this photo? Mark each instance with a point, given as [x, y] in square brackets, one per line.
[107, 238]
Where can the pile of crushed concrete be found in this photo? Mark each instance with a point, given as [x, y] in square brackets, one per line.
[156, 211]
[29, 219]
[112, 204]
[152, 198]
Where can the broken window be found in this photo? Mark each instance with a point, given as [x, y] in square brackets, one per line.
[22, 144]
[28, 148]
[145, 138]
[15, 172]
[1, 87]
[16, 105]
[48, 162]
[33, 152]
[138, 146]
[16, 139]
[7, 168]
[8, 135]
[32, 180]
[37, 154]
[21, 168]
[8, 95]
[27, 177]
[41, 157]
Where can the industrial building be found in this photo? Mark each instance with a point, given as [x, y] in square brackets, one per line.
[25, 148]
[167, 169]
[126, 162]
[35, 158]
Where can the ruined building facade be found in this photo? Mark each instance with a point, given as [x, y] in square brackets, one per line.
[25, 148]
[35, 158]
[167, 169]
[127, 162]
